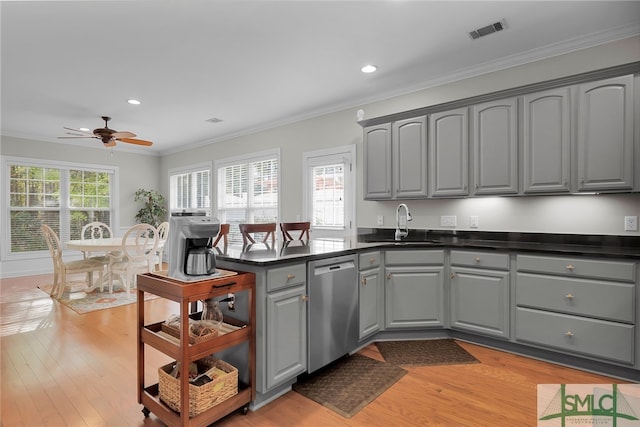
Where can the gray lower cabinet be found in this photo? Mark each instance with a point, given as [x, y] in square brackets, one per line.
[577, 305]
[479, 286]
[286, 327]
[605, 134]
[414, 289]
[370, 295]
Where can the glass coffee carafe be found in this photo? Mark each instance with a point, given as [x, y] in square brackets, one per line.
[211, 312]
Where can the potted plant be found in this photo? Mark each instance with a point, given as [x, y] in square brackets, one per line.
[154, 210]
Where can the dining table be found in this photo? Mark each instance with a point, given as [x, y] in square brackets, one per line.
[106, 245]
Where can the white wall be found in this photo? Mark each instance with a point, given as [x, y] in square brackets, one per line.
[555, 214]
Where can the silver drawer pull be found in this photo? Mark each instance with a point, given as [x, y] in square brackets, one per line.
[364, 281]
[568, 334]
[372, 260]
[291, 276]
[304, 298]
[570, 267]
[569, 296]
[477, 260]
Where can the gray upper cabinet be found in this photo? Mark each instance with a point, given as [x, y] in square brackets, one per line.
[495, 147]
[449, 153]
[377, 162]
[605, 134]
[409, 142]
[546, 122]
[395, 158]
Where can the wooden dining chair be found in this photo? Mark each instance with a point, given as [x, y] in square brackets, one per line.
[223, 234]
[302, 227]
[62, 269]
[92, 231]
[138, 258]
[163, 233]
[269, 229]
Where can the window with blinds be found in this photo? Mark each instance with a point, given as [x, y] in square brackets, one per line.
[64, 197]
[328, 196]
[248, 191]
[189, 189]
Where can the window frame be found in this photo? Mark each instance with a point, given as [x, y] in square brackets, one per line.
[243, 159]
[198, 167]
[328, 156]
[65, 208]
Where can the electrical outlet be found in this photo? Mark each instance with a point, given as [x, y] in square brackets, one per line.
[474, 222]
[380, 219]
[448, 221]
[631, 223]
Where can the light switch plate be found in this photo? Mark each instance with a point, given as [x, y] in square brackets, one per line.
[380, 219]
[474, 221]
[631, 223]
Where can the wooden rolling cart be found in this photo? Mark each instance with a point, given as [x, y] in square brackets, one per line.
[187, 294]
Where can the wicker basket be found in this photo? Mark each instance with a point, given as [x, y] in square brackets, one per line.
[193, 339]
[201, 397]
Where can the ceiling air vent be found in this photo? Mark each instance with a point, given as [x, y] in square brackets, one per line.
[484, 31]
[213, 120]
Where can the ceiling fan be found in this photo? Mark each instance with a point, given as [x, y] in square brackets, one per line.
[106, 135]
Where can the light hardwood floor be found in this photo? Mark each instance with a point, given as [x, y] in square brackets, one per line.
[60, 368]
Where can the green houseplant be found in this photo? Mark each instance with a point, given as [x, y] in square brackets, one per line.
[154, 210]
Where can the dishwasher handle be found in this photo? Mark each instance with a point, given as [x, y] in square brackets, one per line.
[332, 268]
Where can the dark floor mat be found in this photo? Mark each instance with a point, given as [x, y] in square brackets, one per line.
[424, 352]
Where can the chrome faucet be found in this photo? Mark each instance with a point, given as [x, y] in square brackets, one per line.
[400, 234]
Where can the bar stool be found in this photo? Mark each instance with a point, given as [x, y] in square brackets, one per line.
[224, 231]
[247, 229]
[303, 227]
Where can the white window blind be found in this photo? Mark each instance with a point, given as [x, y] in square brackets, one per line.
[248, 191]
[328, 196]
[189, 188]
[65, 197]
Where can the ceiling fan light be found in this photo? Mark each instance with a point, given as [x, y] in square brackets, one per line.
[133, 101]
[85, 129]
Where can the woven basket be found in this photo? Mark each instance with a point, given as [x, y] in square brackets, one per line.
[193, 339]
[201, 397]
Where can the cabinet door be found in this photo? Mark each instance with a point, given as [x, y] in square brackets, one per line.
[449, 153]
[495, 147]
[286, 335]
[480, 301]
[371, 299]
[605, 134]
[547, 146]
[409, 142]
[377, 162]
[414, 297]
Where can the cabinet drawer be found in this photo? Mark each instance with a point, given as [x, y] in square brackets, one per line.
[414, 257]
[283, 277]
[369, 260]
[600, 338]
[480, 259]
[579, 267]
[607, 300]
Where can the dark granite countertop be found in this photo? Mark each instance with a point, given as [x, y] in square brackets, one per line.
[557, 244]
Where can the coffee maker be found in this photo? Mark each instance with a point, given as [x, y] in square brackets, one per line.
[191, 256]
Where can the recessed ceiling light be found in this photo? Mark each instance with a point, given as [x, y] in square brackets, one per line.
[133, 101]
[369, 69]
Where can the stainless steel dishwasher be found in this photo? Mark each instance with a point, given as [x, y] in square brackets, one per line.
[333, 310]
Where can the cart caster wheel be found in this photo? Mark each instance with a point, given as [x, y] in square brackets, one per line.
[245, 410]
[146, 412]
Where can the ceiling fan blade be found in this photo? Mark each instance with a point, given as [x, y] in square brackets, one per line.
[79, 130]
[75, 137]
[123, 134]
[136, 141]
